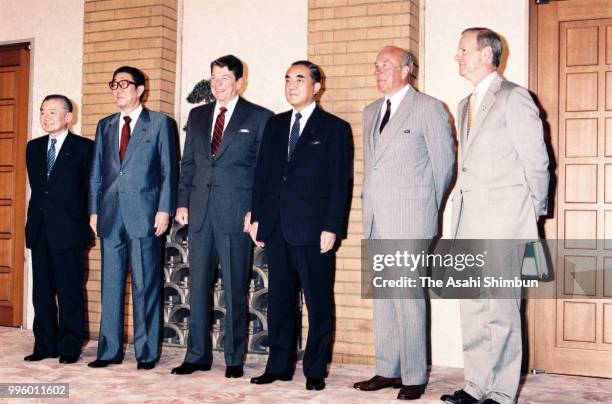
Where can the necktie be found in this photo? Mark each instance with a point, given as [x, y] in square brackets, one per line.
[470, 113]
[294, 135]
[218, 131]
[386, 117]
[51, 157]
[125, 137]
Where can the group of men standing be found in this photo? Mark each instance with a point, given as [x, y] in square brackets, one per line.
[282, 182]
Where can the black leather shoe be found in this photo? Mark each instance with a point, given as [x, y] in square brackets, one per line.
[490, 401]
[187, 368]
[35, 357]
[268, 378]
[459, 397]
[378, 382]
[145, 365]
[411, 392]
[315, 383]
[66, 360]
[234, 371]
[101, 363]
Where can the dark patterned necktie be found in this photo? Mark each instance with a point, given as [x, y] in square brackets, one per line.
[218, 131]
[125, 137]
[386, 117]
[51, 157]
[294, 135]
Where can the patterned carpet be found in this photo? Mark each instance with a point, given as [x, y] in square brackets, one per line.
[123, 383]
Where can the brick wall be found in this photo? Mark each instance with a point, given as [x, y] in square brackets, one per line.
[140, 33]
[344, 37]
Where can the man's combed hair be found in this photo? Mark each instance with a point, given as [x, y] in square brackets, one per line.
[232, 63]
[487, 37]
[62, 98]
[315, 71]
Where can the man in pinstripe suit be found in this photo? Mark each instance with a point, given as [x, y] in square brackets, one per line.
[407, 142]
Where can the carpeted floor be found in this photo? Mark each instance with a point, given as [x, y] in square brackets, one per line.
[123, 383]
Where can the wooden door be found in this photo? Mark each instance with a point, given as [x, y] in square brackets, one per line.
[14, 85]
[571, 74]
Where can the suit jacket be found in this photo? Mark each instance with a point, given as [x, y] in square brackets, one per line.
[61, 202]
[502, 186]
[308, 194]
[408, 172]
[227, 180]
[140, 186]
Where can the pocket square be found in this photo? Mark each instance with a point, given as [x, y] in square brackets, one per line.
[407, 131]
[244, 131]
[315, 142]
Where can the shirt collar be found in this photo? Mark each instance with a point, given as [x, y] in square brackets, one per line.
[306, 112]
[134, 115]
[397, 98]
[59, 139]
[481, 88]
[230, 106]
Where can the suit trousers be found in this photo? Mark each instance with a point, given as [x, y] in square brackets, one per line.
[286, 264]
[57, 272]
[400, 337]
[144, 257]
[234, 254]
[492, 343]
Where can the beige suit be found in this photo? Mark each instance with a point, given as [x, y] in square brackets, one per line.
[501, 189]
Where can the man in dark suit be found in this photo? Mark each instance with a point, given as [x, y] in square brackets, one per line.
[299, 208]
[214, 195]
[57, 232]
[131, 198]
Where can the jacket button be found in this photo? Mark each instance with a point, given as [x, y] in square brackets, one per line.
[213, 164]
[284, 178]
[464, 169]
[46, 192]
[207, 185]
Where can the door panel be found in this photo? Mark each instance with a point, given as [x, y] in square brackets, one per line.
[571, 73]
[14, 84]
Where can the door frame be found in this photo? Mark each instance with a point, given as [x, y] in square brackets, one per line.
[21, 188]
[542, 355]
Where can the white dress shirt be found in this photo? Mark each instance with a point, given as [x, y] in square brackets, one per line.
[306, 112]
[228, 115]
[59, 142]
[396, 99]
[481, 89]
[134, 115]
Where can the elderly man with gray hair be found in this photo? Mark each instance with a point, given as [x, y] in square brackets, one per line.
[407, 142]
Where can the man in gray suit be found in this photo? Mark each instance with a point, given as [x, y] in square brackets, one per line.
[408, 143]
[131, 198]
[214, 196]
[501, 191]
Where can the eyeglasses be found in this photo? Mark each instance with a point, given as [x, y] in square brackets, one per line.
[120, 84]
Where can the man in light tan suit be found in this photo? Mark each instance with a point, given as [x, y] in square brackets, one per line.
[501, 190]
[409, 160]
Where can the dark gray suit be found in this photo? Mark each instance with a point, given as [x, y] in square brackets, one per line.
[217, 193]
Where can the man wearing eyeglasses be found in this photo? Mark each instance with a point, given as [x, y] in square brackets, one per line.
[407, 142]
[132, 196]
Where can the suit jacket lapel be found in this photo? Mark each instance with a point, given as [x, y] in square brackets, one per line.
[370, 125]
[394, 126]
[231, 129]
[483, 110]
[112, 140]
[140, 131]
